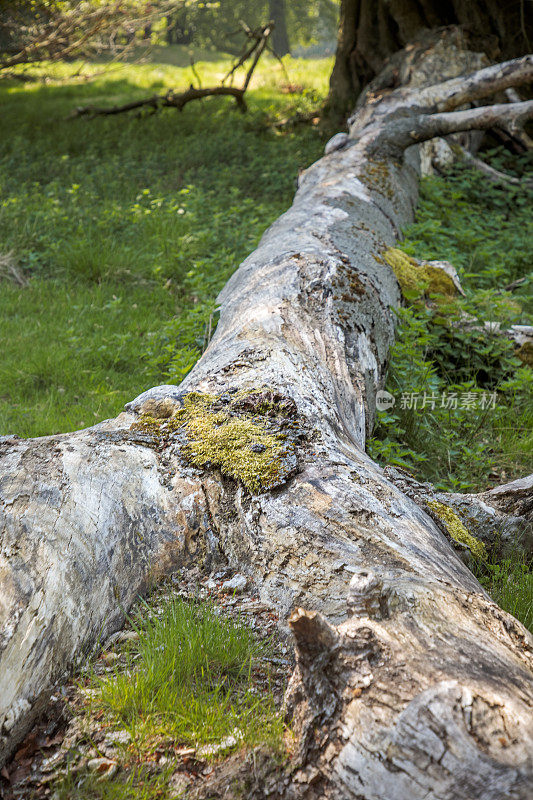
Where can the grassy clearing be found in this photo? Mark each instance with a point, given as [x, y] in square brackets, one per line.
[127, 228]
[510, 584]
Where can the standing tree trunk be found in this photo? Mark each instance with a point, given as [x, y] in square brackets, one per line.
[409, 681]
[373, 32]
[280, 36]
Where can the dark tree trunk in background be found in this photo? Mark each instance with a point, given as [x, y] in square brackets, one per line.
[371, 31]
[280, 36]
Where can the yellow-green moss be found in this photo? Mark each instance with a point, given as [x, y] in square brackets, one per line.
[457, 530]
[224, 441]
[149, 424]
[418, 279]
[225, 436]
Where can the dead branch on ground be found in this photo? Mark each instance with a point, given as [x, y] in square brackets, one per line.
[179, 100]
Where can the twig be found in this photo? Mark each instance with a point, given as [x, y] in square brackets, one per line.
[168, 100]
[77, 31]
[258, 53]
[512, 286]
[195, 74]
[493, 174]
[244, 57]
[258, 37]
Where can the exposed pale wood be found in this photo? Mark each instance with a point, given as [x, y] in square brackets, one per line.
[410, 683]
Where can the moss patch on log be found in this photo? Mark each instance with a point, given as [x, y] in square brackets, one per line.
[457, 530]
[417, 279]
[246, 434]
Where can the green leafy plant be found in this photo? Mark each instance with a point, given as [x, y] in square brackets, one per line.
[464, 402]
[509, 581]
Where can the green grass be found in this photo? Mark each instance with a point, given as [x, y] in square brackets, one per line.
[127, 228]
[509, 581]
[133, 785]
[190, 678]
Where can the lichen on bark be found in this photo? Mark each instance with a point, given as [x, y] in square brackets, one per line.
[457, 530]
[246, 435]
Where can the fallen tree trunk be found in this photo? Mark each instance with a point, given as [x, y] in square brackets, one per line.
[409, 682]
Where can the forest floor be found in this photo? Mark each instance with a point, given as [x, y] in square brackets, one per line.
[115, 236]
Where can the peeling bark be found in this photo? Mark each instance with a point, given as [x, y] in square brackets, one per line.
[410, 682]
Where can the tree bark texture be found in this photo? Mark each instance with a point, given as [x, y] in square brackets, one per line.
[409, 681]
[373, 32]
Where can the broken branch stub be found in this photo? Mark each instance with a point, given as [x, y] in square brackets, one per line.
[178, 100]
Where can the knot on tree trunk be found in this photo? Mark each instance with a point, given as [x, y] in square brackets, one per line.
[365, 595]
[333, 669]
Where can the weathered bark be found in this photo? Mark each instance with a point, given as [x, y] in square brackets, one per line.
[410, 682]
[373, 32]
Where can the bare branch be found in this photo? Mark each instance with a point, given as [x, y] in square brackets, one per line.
[465, 89]
[259, 51]
[492, 174]
[416, 128]
[179, 100]
[169, 100]
[75, 31]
